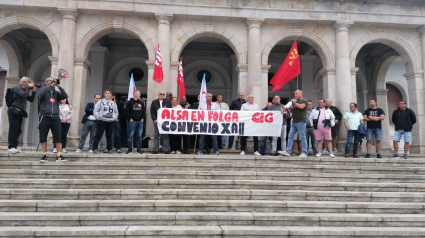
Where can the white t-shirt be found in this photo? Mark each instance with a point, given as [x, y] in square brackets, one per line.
[250, 107]
[160, 103]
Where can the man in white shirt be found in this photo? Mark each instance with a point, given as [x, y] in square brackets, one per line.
[209, 105]
[250, 106]
[223, 106]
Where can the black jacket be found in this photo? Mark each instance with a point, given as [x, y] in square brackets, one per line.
[135, 110]
[404, 119]
[89, 111]
[120, 107]
[236, 104]
[337, 113]
[155, 106]
[49, 99]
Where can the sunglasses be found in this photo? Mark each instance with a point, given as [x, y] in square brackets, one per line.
[162, 94]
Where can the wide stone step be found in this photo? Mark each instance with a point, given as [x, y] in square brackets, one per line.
[208, 194]
[208, 219]
[210, 184]
[223, 158]
[210, 231]
[173, 174]
[191, 166]
[209, 206]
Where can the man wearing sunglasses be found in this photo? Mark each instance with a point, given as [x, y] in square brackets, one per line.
[161, 102]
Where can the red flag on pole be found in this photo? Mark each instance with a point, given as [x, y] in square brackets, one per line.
[180, 80]
[157, 73]
[288, 70]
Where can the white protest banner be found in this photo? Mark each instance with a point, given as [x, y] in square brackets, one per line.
[219, 122]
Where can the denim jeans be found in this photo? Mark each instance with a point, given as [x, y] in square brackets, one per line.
[311, 138]
[350, 135]
[223, 141]
[134, 129]
[202, 142]
[88, 127]
[300, 127]
[117, 128]
[263, 144]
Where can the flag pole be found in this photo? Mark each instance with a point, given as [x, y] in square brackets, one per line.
[297, 83]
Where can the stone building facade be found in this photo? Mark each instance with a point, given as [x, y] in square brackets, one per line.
[347, 48]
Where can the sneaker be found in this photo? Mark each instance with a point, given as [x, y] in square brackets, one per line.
[293, 154]
[19, 150]
[379, 156]
[284, 153]
[64, 150]
[105, 151]
[129, 151]
[43, 159]
[173, 152]
[405, 156]
[95, 152]
[79, 151]
[13, 150]
[335, 150]
[199, 153]
[60, 158]
[394, 156]
[318, 154]
[55, 150]
[139, 151]
[257, 153]
[367, 156]
[217, 153]
[178, 152]
[90, 151]
[302, 155]
[119, 151]
[325, 150]
[242, 152]
[332, 155]
[167, 152]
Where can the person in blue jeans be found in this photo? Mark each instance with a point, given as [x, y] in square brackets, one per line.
[373, 117]
[352, 120]
[299, 121]
[117, 125]
[403, 118]
[135, 113]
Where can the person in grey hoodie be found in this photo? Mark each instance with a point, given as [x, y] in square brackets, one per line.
[106, 112]
[48, 111]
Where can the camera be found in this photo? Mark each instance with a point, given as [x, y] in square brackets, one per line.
[37, 85]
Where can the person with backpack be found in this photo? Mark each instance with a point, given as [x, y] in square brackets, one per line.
[16, 101]
[49, 116]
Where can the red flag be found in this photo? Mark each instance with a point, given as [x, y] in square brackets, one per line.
[180, 80]
[288, 70]
[157, 73]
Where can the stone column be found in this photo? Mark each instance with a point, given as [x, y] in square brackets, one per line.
[164, 41]
[4, 126]
[242, 70]
[354, 83]
[152, 95]
[415, 82]
[97, 69]
[307, 78]
[67, 46]
[265, 83]
[381, 98]
[54, 70]
[174, 71]
[255, 85]
[78, 99]
[343, 75]
[329, 84]
[364, 95]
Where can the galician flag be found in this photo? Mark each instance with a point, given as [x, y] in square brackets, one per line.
[158, 76]
[131, 88]
[180, 80]
[203, 93]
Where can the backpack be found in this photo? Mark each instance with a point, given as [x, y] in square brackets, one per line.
[9, 97]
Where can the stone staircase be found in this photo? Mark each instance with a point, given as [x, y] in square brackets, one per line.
[210, 196]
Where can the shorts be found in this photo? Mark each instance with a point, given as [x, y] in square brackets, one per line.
[334, 130]
[47, 123]
[297, 136]
[326, 132]
[407, 136]
[374, 131]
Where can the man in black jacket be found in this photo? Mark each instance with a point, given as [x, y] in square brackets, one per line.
[334, 129]
[89, 125]
[49, 119]
[161, 102]
[135, 114]
[236, 105]
[403, 118]
[22, 93]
